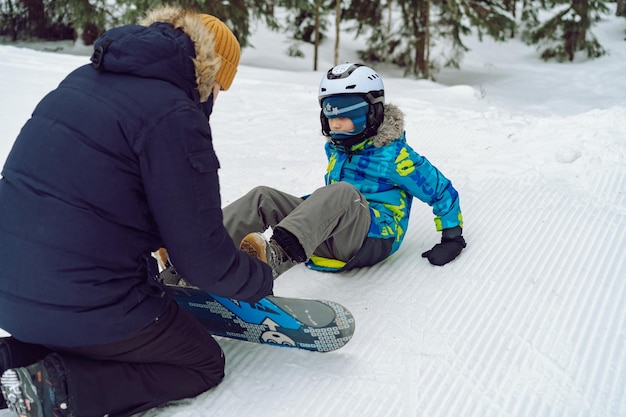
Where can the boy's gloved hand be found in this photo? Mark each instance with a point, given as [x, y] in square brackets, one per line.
[452, 243]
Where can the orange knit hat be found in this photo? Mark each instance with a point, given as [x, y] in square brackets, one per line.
[226, 46]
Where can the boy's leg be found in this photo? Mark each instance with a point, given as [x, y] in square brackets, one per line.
[260, 208]
[332, 222]
[173, 358]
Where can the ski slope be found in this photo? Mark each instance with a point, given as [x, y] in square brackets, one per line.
[530, 320]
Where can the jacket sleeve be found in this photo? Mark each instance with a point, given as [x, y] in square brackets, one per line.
[179, 168]
[417, 176]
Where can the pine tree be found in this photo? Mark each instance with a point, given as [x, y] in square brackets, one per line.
[12, 19]
[307, 23]
[338, 15]
[36, 19]
[621, 8]
[569, 30]
[368, 18]
[427, 24]
[89, 18]
[55, 19]
[236, 13]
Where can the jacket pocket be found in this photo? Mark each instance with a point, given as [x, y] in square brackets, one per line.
[204, 162]
[206, 181]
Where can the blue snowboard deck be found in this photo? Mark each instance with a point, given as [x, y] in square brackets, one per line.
[315, 325]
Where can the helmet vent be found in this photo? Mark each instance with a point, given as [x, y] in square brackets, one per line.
[351, 87]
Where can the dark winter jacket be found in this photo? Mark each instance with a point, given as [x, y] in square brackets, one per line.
[115, 163]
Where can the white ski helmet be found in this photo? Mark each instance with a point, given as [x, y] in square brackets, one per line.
[351, 78]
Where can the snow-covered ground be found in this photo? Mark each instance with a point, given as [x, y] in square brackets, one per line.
[529, 321]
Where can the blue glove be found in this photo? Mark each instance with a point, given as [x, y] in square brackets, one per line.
[452, 243]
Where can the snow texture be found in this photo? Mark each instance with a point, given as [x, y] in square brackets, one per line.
[530, 320]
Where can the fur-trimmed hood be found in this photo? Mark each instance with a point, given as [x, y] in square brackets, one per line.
[206, 62]
[170, 44]
[391, 128]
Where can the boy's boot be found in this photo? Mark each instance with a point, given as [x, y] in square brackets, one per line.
[256, 245]
[37, 390]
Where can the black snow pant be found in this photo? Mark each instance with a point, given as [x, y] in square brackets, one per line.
[173, 358]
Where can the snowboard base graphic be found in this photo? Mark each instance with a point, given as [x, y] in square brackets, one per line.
[315, 325]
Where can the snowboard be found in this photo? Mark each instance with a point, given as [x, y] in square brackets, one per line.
[314, 325]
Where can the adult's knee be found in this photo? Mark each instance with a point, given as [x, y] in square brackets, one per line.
[212, 372]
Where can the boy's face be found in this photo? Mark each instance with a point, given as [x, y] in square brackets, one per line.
[340, 124]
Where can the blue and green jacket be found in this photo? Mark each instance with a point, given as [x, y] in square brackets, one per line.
[389, 173]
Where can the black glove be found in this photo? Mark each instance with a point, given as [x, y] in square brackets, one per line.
[452, 243]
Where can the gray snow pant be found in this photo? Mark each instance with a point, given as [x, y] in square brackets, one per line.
[332, 222]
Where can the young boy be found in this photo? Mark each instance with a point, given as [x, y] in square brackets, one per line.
[361, 216]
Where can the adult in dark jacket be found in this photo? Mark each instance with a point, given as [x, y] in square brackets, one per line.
[115, 163]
